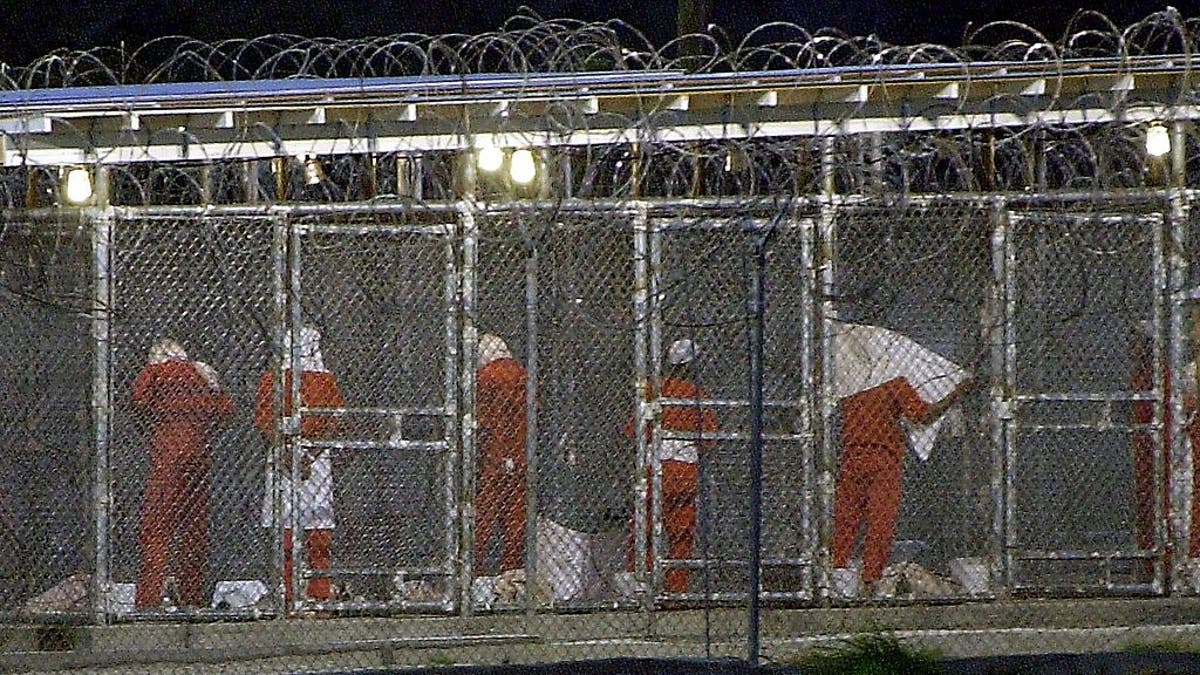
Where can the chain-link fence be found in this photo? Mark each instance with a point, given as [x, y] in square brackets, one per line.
[570, 395]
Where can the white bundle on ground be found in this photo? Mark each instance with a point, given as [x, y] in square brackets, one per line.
[70, 594]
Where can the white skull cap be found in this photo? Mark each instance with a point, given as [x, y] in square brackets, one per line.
[681, 352]
[491, 348]
[166, 350]
[209, 374]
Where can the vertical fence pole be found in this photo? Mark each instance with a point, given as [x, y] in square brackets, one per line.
[827, 252]
[450, 401]
[996, 333]
[653, 411]
[1007, 413]
[1162, 479]
[278, 363]
[808, 394]
[641, 324]
[1182, 468]
[292, 439]
[531, 412]
[757, 312]
[101, 221]
[469, 231]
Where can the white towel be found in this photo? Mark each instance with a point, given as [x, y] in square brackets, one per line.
[866, 356]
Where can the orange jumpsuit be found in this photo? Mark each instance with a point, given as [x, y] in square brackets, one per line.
[318, 389]
[500, 494]
[680, 481]
[872, 468]
[1143, 466]
[184, 413]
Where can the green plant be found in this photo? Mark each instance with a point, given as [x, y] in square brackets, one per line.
[872, 654]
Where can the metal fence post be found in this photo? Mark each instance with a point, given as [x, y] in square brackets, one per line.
[470, 237]
[102, 220]
[757, 312]
[654, 412]
[531, 416]
[1163, 530]
[293, 441]
[1007, 252]
[1182, 468]
[278, 364]
[827, 251]
[809, 391]
[450, 432]
[641, 311]
[997, 335]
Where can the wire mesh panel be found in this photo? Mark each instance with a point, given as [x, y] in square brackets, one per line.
[586, 369]
[791, 509]
[192, 310]
[1086, 454]
[376, 295]
[498, 481]
[47, 535]
[914, 474]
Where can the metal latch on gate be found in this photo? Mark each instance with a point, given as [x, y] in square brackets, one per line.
[291, 426]
[1004, 409]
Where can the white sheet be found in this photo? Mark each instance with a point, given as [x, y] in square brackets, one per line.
[866, 356]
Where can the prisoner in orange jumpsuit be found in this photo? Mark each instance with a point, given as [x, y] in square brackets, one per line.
[500, 414]
[318, 389]
[1143, 453]
[183, 403]
[868, 487]
[679, 457]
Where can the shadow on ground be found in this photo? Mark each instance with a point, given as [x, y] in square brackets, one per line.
[1043, 664]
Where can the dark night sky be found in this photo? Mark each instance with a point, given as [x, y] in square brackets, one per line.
[34, 27]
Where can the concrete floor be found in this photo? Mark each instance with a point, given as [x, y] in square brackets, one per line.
[314, 645]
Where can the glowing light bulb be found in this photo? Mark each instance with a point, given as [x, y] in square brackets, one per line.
[1158, 140]
[490, 158]
[522, 169]
[79, 185]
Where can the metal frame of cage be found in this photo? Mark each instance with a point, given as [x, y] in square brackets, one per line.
[846, 103]
[1169, 265]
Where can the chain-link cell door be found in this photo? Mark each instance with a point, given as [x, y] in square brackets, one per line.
[184, 460]
[1083, 404]
[910, 280]
[370, 315]
[555, 287]
[699, 413]
[49, 303]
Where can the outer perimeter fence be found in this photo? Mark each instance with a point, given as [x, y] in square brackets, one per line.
[703, 282]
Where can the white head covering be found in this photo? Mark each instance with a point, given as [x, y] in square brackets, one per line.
[209, 374]
[681, 352]
[166, 350]
[310, 350]
[491, 348]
